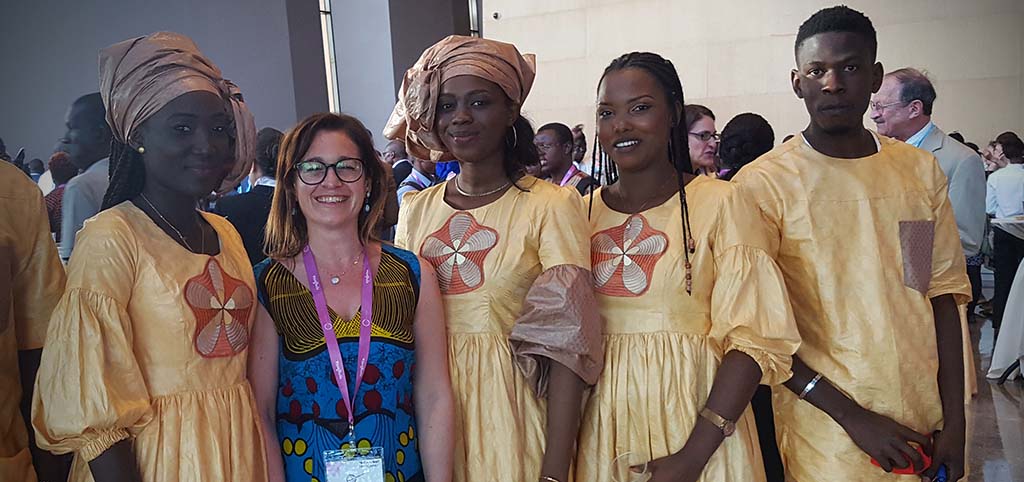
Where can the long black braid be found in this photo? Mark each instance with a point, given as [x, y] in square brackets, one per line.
[127, 175]
[678, 148]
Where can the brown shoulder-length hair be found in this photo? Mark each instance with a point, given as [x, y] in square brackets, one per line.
[286, 232]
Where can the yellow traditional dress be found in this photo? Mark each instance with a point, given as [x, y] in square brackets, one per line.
[149, 344]
[863, 244]
[488, 259]
[663, 347]
[31, 282]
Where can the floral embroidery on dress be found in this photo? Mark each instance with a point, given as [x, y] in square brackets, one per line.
[623, 257]
[457, 251]
[221, 305]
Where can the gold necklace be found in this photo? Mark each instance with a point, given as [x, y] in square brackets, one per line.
[458, 187]
[202, 231]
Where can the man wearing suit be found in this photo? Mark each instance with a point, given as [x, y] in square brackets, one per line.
[902, 108]
[248, 212]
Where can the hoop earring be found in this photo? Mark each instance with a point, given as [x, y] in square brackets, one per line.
[515, 138]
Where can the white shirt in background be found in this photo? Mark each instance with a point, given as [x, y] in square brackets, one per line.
[1005, 194]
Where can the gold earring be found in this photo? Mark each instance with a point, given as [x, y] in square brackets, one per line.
[142, 150]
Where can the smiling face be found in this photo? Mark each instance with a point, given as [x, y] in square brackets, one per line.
[835, 76]
[473, 117]
[333, 202]
[634, 119]
[703, 154]
[189, 144]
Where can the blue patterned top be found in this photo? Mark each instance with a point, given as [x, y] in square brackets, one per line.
[311, 416]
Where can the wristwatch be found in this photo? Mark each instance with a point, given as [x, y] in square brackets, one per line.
[726, 426]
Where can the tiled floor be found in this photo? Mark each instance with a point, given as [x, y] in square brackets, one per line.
[997, 442]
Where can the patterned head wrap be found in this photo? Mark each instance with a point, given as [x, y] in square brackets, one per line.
[414, 115]
[141, 75]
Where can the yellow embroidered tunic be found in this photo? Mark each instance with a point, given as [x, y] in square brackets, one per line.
[31, 282]
[863, 244]
[487, 259]
[663, 347]
[149, 343]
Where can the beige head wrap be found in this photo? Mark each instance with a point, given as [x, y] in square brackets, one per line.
[413, 117]
[141, 75]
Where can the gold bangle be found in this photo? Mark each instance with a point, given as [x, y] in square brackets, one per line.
[725, 425]
[545, 478]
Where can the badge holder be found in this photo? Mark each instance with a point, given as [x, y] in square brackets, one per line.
[355, 465]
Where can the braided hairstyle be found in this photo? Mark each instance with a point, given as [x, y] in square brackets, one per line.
[127, 175]
[520, 152]
[664, 72]
[745, 138]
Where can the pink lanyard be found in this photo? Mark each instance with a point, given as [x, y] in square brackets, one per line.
[568, 175]
[332, 340]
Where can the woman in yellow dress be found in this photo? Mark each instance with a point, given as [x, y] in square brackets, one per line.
[695, 310]
[512, 261]
[144, 373]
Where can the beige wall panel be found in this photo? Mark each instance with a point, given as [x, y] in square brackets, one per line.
[735, 55]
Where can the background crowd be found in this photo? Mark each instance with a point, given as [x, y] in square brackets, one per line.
[504, 302]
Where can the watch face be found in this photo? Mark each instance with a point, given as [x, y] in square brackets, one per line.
[728, 428]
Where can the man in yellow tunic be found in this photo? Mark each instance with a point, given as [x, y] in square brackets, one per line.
[870, 253]
[31, 282]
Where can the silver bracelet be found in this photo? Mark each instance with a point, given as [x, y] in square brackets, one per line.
[810, 386]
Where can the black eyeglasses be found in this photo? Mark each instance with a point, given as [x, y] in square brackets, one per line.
[348, 169]
[705, 135]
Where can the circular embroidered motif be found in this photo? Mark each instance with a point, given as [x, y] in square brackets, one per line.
[457, 251]
[221, 305]
[623, 257]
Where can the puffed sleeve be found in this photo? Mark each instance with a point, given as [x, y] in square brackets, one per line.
[949, 267]
[560, 321]
[90, 393]
[750, 308]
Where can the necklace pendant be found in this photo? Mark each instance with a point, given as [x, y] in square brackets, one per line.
[335, 280]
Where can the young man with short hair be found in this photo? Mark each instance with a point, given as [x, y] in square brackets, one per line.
[872, 260]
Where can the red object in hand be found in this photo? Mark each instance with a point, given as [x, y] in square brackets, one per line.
[911, 470]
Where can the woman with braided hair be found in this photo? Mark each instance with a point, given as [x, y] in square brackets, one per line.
[745, 138]
[695, 310]
[144, 376]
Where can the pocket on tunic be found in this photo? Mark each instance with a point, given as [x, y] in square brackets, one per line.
[917, 239]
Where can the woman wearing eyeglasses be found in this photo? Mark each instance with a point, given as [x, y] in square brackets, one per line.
[350, 331]
[703, 139]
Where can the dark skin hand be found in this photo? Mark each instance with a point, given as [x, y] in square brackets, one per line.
[564, 410]
[49, 467]
[882, 438]
[734, 386]
[948, 444]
